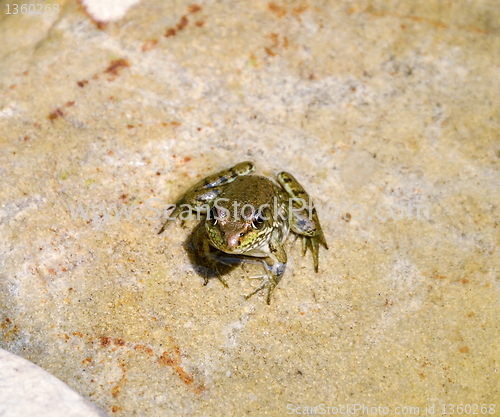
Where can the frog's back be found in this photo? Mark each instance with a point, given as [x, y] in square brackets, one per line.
[254, 190]
[258, 192]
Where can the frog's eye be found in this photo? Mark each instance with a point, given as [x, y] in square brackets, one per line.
[212, 217]
[258, 222]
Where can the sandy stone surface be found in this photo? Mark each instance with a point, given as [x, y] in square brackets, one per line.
[27, 390]
[365, 102]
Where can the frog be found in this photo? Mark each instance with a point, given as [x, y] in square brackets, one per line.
[248, 219]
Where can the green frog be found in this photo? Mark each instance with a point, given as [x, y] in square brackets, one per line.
[248, 218]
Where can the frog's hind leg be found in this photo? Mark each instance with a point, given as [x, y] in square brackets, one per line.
[304, 223]
[202, 193]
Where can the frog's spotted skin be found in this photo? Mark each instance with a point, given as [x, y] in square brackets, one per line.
[209, 188]
[254, 235]
[308, 229]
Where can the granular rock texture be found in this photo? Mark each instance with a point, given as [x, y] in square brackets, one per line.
[372, 103]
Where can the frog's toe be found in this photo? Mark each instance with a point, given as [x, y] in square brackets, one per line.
[165, 225]
[168, 223]
[322, 240]
[313, 243]
[264, 284]
[270, 289]
[170, 219]
[206, 280]
[305, 244]
[315, 252]
[268, 282]
[222, 280]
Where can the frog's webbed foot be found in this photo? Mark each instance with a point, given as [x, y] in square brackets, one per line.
[270, 279]
[210, 272]
[183, 215]
[312, 243]
[170, 219]
[304, 220]
[219, 277]
[268, 282]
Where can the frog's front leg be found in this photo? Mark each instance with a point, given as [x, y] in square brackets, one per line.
[202, 193]
[206, 257]
[305, 224]
[274, 266]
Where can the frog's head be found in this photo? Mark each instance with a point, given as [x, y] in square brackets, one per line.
[238, 235]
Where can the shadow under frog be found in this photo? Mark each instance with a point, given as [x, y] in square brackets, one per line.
[205, 259]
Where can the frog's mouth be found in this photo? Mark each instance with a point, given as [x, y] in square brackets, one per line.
[228, 244]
